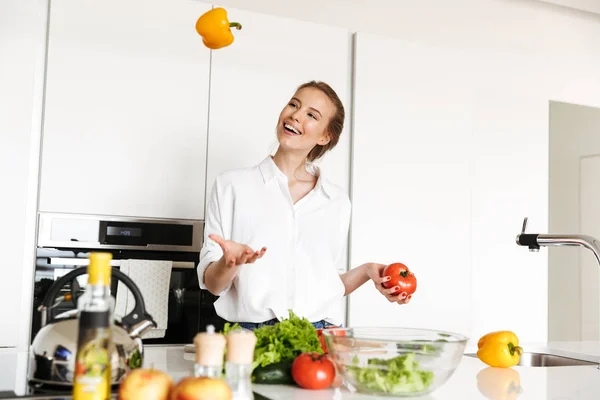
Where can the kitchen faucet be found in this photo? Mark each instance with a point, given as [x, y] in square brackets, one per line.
[535, 240]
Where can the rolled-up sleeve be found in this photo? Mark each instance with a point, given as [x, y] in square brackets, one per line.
[211, 251]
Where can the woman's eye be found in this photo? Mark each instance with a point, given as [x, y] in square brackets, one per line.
[312, 116]
[292, 105]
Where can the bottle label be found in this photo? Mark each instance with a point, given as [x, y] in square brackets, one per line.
[92, 378]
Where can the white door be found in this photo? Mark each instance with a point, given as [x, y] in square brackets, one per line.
[574, 297]
[126, 109]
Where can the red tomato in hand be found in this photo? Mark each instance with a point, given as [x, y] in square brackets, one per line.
[313, 371]
[400, 276]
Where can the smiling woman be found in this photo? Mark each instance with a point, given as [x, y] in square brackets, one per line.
[285, 205]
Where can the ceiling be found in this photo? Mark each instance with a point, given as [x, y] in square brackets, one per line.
[592, 6]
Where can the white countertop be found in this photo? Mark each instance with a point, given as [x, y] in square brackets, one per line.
[536, 383]
[564, 383]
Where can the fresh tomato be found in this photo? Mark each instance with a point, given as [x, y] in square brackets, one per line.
[400, 276]
[322, 340]
[313, 371]
[322, 337]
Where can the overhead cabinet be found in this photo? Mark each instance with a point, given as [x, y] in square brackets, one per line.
[133, 99]
[126, 110]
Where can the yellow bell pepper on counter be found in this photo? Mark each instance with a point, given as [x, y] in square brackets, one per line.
[499, 349]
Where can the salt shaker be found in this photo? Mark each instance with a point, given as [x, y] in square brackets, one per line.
[240, 353]
[209, 353]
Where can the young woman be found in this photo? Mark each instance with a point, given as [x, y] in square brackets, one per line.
[275, 233]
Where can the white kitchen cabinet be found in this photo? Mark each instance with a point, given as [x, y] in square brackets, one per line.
[254, 78]
[126, 109]
[449, 155]
[21, 52]
[411, 182]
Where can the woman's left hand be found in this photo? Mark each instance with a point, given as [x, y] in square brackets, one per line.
[374, 272]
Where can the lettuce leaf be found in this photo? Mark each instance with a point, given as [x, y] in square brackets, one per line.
[283, 341]
[398, 375]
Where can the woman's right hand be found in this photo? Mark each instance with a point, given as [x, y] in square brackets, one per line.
[235, 254]
[374, 272]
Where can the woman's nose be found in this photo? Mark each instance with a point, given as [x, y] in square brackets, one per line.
[296, 116]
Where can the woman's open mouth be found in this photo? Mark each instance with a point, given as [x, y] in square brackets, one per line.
[290, 130]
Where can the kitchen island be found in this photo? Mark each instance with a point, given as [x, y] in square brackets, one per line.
[472, 379]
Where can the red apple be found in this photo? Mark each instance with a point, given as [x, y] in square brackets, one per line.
[145, 384]
[201, 388]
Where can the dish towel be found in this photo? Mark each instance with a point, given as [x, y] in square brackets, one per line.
[153, 279]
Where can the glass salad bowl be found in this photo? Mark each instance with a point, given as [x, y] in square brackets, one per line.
[395, 362]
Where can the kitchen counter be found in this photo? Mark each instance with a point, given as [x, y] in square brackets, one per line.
[472, 379]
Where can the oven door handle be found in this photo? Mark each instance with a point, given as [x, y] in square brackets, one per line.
[80, 262]
[77, 261]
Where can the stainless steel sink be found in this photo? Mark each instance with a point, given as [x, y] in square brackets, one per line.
[547, 360]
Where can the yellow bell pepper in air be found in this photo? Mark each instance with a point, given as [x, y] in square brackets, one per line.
[215, 28]
[499, 349]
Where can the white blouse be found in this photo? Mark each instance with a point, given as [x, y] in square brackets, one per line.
[305, 245]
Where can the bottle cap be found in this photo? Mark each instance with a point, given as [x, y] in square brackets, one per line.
[99, 270]
[209, 347]
[240, 346]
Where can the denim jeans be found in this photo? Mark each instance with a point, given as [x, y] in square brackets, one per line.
[252, 326]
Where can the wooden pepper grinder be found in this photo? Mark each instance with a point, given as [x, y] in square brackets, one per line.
[209, 353]
[238, 368]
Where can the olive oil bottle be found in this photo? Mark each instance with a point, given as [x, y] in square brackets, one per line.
[92, 377]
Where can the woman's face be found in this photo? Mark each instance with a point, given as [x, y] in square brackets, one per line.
[303, 121]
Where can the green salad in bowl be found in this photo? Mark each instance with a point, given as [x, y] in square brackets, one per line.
[395, 362]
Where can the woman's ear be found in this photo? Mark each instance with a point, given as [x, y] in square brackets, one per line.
[326, 138]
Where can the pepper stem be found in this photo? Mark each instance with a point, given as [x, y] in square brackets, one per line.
[519, 350]
[235, 25]
[514, 349]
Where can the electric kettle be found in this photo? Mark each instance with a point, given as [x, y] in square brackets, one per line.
[52, 353]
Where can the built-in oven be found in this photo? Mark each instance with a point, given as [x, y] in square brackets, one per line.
[65, 241]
